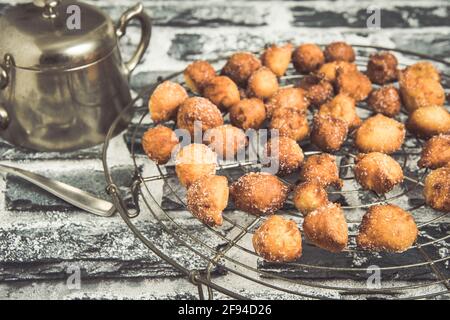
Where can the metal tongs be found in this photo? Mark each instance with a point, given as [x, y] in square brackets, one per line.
[76, 197]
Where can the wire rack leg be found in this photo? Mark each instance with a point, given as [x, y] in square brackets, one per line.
[201, 295]
[228, 247]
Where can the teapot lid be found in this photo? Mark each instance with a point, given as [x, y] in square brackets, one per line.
[52, 34]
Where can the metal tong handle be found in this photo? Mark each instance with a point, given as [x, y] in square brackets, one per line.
[79, 198]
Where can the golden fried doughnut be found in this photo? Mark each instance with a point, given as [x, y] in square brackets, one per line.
[385, 100]
[240, 67]
[226, 140]
[420, 87]
[290, 123]
[339, 51]
[377, 172]
[286, 152]
[207, 197]
[248, 113]
[258, 193]
[387, 228]
[309, 196]
[424, 70]
[223, 92]
[307, 57]
[436, 152]
[322, 169]
[193, 162]
[437, 189]
[328, 133]
[263, 83]
[198, 74]
[198, 109]
[278, 239]
[380, 134]
[382, 68]
[330, 69]
[418, 93]
[354, 84]
[342, 107]
[318, 90]
[158, 143]
[165, 100]
[327, 228]
[287, 98]
[277, 58]
[429, 121]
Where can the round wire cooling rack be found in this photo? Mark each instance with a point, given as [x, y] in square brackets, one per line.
[221, 262]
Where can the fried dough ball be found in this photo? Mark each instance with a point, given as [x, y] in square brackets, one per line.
[330, 69]
[201, 110]
[198, 74]
[380, 134]
[290, 123]
[321, 169]
[377, 172]
[429, 121]
[328, 133]
[226, 140]
[307, 57]
[263, 83]
[287, 98]
[327, 228]
[420, 87]
[286, 153]
[248, 113]
[437, 189]
[382, 68]
[240, 67]
[165, 100]
[207, 197]
[318, 90]
[387, 228]
[193, 162]
[342, 107]
[258, 193]
[339, 51]
[436, 152]
[418, 93]
[158, 143]
[385, 100]
[223, 92]
[278, 239]
[309, 196]
[424, 70]
[354, 84]
[277, 58]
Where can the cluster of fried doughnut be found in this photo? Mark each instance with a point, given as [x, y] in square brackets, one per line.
[247, 87]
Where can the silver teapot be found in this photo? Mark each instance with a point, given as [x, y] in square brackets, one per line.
[62, 78]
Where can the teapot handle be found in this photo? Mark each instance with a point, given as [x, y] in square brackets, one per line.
[4, 118]
[4, 79]
[136, 12]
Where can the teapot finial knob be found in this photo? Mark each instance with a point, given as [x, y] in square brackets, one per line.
[49, 7]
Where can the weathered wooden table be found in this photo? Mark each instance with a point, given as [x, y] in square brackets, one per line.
[45, 243]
